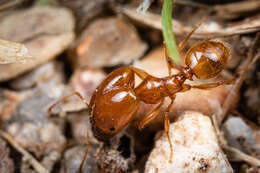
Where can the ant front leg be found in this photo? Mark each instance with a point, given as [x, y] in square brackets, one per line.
[66, 97]
[167, 126]
[150, 116]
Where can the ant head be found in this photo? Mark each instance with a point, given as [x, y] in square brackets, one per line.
[207, 59]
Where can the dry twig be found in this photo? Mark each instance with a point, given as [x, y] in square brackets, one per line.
[233, 153]
[10, 4]
[246, 66]
[35, 164]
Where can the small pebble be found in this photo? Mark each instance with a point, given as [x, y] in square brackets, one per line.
[195, 148]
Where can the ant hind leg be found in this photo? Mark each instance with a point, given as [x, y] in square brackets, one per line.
[150, 116]
[213, 85]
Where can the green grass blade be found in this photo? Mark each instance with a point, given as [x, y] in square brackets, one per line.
[168, 35]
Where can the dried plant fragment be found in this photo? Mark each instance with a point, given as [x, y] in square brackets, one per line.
[11, 52]
[211, 29]
[108, 42]
[35, 164]
[46, 32]
[195, 148]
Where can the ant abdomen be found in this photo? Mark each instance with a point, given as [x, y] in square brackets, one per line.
[113, 98]
[207, 59]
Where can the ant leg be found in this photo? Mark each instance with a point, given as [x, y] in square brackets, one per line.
[140, 73]
[182, 44]
[150, 116]
[185, 87]
[64, 98]
[85, 157]
[167, 126]
[213, 85]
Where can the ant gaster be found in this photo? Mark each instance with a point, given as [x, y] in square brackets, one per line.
[116, 100]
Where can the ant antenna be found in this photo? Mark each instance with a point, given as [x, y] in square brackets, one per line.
[183, 43]
[66, 97]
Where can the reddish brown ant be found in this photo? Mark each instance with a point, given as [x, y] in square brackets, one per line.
[116, 100]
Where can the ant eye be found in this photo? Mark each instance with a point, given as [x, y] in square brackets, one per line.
[112, 128]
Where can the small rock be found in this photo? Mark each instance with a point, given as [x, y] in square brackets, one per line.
[47, 33]
[108, 42]
[73, 158]
[32, 129]
[241, 135]
[85, 10]
[195, 148]
[48, 73]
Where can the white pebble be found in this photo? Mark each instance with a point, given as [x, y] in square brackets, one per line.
[195, 148]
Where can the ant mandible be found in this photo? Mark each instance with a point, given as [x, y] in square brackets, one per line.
[116, 100]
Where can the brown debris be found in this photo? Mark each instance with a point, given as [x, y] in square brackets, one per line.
[30, 127]
[108, 42]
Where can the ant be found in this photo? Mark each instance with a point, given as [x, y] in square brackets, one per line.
[116, 100]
